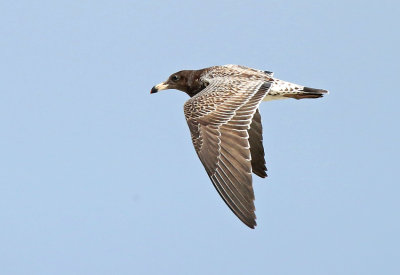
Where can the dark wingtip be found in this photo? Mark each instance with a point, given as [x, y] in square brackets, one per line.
[249, 221]
[261, 173]
[252, 225]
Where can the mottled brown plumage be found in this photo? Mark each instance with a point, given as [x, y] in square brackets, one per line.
[225, 125]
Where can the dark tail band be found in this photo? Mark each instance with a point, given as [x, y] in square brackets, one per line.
[307, 93]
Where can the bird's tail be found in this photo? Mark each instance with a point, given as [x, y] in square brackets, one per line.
[306, 92]
[282, 89]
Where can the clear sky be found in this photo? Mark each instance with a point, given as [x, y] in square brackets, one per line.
[97, 176]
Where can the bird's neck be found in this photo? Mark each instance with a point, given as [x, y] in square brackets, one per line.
[195, 85]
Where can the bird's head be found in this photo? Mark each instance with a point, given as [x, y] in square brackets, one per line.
[187, 81]
[178, 81]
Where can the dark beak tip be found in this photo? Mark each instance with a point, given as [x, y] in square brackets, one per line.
[153, 90]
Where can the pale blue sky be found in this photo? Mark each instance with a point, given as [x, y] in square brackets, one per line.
[99, 177]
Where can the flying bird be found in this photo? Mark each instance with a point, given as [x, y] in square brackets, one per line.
[225, 125]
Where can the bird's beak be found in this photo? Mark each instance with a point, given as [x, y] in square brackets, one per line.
[159, 87]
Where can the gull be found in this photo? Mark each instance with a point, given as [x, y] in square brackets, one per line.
[225, 125]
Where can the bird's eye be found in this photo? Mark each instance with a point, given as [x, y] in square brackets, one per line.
[174, 77]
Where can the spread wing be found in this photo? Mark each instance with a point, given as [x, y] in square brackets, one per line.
[219, 119]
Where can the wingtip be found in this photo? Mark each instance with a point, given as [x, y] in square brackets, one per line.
[252, 225]
[260, 173]
[249, 221]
